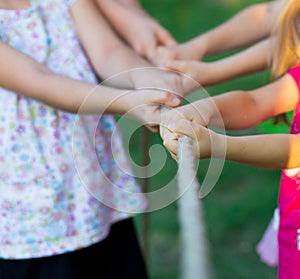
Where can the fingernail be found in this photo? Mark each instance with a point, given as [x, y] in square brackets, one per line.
[176, 100]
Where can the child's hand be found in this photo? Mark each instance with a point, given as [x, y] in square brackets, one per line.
[140, 30]
[151, 35]
[144, 34]
[164, 80]
[188, 112]
[144, 105]
[185, 51]
[201, 138]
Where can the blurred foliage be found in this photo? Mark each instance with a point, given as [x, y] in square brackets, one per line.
[239, 208]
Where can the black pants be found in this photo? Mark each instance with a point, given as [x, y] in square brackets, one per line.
[116, 257]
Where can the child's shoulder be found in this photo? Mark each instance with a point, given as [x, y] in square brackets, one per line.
[295, 73]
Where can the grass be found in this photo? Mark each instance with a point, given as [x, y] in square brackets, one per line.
[240, 206]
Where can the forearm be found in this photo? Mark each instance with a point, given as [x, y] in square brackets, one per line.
[278, 151]
[108, 54]
[77, 97]
[67, 94]
[275, 151]
[142, 32]
[20, 73]
[119, 12]
[244, 109]
[218, 111]
[132, 4]
[115, 12]
[241, 30]
[251, 60]
[123, 63]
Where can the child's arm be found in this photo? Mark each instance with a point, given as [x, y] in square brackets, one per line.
[132, 4]
[20, 73]
[110, 56]
[238, 110]
[251, 60]
[138, 28]
[248, 26]
[276, 151]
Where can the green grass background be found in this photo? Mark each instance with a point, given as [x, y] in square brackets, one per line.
[240, 206]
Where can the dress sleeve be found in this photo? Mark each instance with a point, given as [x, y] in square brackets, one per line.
[295, 73]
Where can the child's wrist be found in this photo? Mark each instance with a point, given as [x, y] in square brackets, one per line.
[212, 73]
[206, 109]
[199, 46]
[196, 114]
[218, 145]
[121, 103]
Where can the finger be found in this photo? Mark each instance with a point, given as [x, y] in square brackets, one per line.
[172, 146]
[165, 99]
[151, 53]
[163, 124]
[177, 65]
[164, 54]
[173, 101]
[167, 117]
[139, 48]
[162, 131]
[152, 128]
[165, 38]
[185, 127]
[166, 134]
[144, 47]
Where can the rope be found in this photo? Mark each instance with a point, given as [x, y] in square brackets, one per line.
[145, 184]
[194, 257]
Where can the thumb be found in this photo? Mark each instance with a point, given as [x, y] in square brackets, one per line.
[171, 100]
[165, 99]
[185, 127]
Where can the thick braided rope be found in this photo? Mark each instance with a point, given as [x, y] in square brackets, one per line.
[194, 257]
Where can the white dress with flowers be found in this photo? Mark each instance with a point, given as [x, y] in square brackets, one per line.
[54, 163]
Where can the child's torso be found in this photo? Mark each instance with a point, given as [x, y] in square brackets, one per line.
[43, 150]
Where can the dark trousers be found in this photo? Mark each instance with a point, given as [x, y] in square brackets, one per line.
[116, 257]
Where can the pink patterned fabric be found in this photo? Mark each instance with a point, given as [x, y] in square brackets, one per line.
[44, 207]
[289, 208]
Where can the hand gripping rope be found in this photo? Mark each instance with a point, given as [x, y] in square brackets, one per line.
[194, 253]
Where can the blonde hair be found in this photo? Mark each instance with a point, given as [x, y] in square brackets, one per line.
[286, 35]
[286, 45]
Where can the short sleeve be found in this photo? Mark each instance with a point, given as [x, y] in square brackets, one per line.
[295, 74]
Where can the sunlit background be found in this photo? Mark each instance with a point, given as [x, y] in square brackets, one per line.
[239, 208]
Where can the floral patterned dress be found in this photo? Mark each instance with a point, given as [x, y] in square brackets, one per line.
[61, 184]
